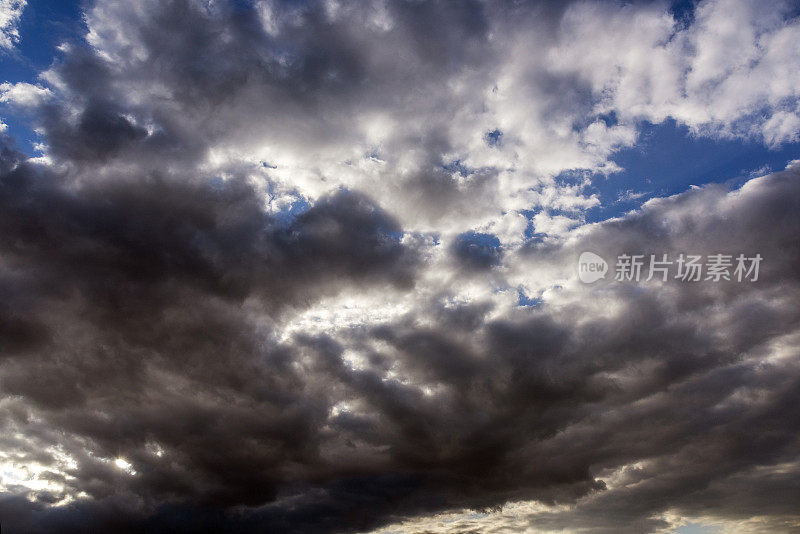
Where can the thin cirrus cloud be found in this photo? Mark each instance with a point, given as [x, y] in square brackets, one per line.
[310, 267]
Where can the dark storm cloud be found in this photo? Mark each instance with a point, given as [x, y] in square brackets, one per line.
[124, 256]
[213, 235]
[531, 406]
[100, 132]
[120, 288]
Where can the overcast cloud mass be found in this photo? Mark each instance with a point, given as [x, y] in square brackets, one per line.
[311, 267]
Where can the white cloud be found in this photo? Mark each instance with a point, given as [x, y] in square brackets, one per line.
[10, 14]
[23, 94]
[733, 72]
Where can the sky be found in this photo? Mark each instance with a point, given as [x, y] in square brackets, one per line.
[325, 266]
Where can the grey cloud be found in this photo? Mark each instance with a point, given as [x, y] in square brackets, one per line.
[155, 347]
[100, 132]
[218, 64]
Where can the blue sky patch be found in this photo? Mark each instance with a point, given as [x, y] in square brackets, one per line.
[668, 160]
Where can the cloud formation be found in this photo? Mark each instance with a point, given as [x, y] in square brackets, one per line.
[273, 271]
[10, 13]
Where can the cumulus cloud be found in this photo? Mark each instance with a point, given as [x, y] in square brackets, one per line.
[311, 267]
[24, 95]
[424, 121]
[139, 324]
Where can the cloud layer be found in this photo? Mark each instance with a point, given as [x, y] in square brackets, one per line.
[272, 270]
